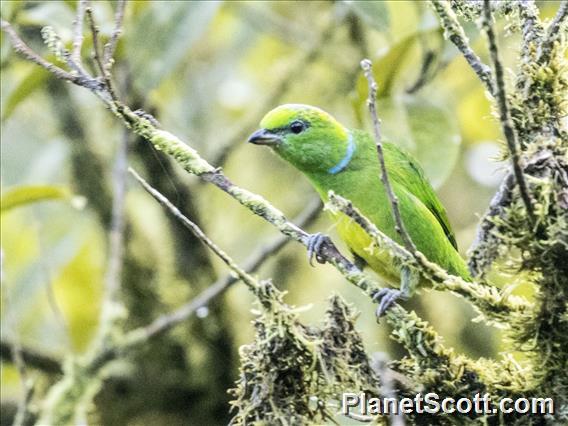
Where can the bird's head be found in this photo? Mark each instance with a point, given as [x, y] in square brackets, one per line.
[305, 136]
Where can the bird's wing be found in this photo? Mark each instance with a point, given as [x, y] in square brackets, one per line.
[406, 172]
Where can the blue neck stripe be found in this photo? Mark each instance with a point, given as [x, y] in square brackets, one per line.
[344, 162]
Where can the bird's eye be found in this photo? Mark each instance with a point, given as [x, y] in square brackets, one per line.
[297, 127]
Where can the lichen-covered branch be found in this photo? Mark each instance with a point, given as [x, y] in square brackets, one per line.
[455, 33]
[504, 115]
[553, 33]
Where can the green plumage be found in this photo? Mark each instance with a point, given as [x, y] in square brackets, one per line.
[316, 144]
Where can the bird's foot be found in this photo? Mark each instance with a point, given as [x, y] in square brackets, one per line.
[315, 243]
[386, 297]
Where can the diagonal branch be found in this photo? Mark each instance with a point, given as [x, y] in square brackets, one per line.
[23, 49]
[166, 322]
[454, 31]
[247, 279]
[504, 114]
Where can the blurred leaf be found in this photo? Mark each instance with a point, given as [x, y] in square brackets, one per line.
[436, 139]
[374, 13]
[162, 36]
[34, 80]
[9, 8]
[80, 304]
[385, 69]
[27, 194]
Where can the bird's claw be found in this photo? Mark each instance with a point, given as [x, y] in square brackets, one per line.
[315, 243]
[386, 298]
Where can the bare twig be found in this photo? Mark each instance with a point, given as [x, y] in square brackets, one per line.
[379, 364]
[98, 56]
[78, 31]
[367, 66]
[15, 352]
[504, 114]
[553, 33]
[110, 47]
[23, 49]
[32, 358]
[454, 31]
[249, 281]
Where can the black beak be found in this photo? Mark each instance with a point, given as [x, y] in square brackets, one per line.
[264, 137]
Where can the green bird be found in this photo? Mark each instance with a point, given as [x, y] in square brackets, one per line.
[345, 161]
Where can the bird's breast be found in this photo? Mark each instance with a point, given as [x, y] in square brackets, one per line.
[379, 260]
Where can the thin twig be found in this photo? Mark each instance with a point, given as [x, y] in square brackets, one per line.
[97, 55]
[379, 364]
[250, 282]
[483, 250]
[31, 357]
[110, 47]
[425, 74]
[23, 49]
[504, 114]
[167, 321]
[367, 66]
[454, 31]
[78, 31]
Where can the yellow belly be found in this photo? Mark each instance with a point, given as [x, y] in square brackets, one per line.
[379, 260]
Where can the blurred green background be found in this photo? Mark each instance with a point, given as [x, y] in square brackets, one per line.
[208, 71]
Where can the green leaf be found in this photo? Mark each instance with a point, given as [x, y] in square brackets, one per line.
[385, 70]
[162, 36]
[374, 13]
[27, 194]
[436, 139]
[34, 80]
